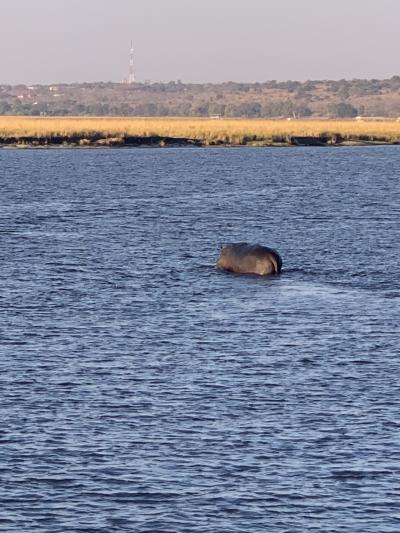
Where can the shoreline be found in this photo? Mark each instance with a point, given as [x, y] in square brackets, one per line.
[119, 132]
[85, 142]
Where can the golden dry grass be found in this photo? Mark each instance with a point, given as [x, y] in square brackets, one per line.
[230, 131]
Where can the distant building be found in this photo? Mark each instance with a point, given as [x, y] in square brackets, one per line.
[370, 119]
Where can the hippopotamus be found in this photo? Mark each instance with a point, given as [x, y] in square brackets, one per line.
[245, 258]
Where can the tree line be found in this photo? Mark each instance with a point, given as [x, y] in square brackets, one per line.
[337, 99]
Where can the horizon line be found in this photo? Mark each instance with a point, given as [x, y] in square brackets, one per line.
[180, 82]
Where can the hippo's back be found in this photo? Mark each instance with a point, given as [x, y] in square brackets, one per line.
[247, 258]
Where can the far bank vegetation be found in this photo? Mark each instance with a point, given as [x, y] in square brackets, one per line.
[272, 99]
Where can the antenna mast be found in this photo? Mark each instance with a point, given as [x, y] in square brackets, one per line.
[131, 77]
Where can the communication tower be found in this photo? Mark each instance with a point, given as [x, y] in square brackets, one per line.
[131, 77]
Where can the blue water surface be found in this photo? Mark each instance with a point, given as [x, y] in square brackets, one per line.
[144, 391]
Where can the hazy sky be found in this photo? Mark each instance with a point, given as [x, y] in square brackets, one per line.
[50, 41]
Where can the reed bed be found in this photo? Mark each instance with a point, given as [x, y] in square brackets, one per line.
[206, 131]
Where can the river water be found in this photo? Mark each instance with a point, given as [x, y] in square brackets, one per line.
[144, 391]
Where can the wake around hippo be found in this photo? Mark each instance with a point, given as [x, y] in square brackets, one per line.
[244, 258]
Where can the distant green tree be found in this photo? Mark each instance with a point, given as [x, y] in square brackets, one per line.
[303, 111]
[248, 109]
[79, 109]
[125, 109]
[201, 109]
[5, 108]
[142, 110]
[342, 110]
[216, 108]
[394, 83]
[21, 109]
[278, 108]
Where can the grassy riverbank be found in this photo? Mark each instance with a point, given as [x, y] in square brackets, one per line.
[77, 131]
